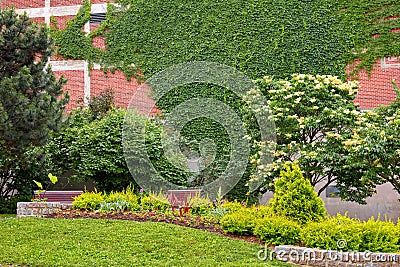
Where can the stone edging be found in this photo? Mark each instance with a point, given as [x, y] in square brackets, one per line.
[38, 209]
[303, 256]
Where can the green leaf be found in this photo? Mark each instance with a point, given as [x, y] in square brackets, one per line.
[38, 184]
[53, 178]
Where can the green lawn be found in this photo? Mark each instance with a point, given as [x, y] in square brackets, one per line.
[91, 242]
[7, 216]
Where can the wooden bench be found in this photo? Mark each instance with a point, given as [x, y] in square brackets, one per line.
[65, 197]
[181, 198]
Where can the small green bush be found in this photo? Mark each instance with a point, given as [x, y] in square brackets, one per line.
[328, 233]
[382, 236]
[343, 233]
[239, 222]
[88, 201]
[295, 199]
[154, 203]
[277, 230]
[128, 195]
[243, 220]
[232, 206]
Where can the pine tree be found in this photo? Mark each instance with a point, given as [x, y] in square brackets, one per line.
[32, 102]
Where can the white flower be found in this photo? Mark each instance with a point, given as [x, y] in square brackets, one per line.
[288, 96]
[318, 86]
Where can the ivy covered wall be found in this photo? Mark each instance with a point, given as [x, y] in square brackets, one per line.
[278, 37]
[269, 37]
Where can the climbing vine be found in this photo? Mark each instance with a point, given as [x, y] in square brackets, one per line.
[257, 37]
[269, 37]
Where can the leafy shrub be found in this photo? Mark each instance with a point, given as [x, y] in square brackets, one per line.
[382, 236]
[277, 230]
[327, 234]
[153, 202]
[127, 195]
[239, 222]
[294, 197]
[200, 205]
[94, 150]
[88, 200]
[9, 205]
[243, 221]
[232, 206]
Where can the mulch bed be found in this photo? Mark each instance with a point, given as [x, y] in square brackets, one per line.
[154, 217]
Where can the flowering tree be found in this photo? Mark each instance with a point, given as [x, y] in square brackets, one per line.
[314, 116]
[374, 149]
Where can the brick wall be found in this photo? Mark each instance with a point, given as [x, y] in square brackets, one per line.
[375, 89]
[82, 83]
[23, 3]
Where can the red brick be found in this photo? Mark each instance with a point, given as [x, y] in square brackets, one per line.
[65, 2]
[22, 4]
[377, 88]
[74, 86]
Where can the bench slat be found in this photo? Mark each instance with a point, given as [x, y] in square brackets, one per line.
[59, 196]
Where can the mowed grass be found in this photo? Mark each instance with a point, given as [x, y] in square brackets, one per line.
[91, 242]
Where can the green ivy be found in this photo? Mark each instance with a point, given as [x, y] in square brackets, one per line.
[269, 37]
[257, 37]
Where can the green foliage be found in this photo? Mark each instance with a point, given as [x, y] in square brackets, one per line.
[31, 100]
[119, 205]
[285, 38]
[111, 202]
[88, 200]
[277, 231]
[232, 206]
[127, 194]
[108, 242]
[326, 234]
[295, 199]
[256, 37]
[239, 222]
[155, 202]
[9, 205]
[243, 221]
[376, 236]
[75, 42]
[53, 179]
[374, 147]
[99, 105]
[382, 236]
[313, 115]
[93, 150]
